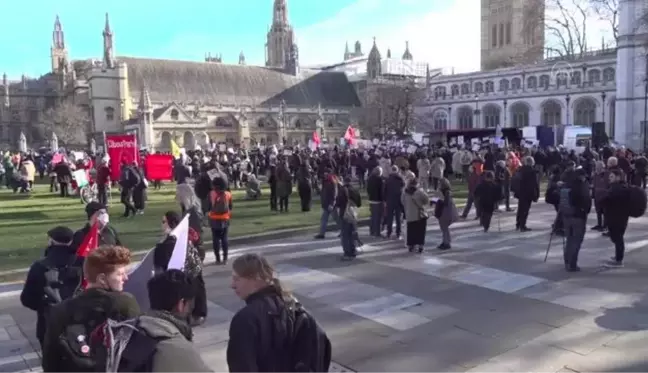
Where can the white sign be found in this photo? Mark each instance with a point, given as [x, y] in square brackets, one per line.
[287, 152]
[222, 147]
[460, 140]
[411, 149]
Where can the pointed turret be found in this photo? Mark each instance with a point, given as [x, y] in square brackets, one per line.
[374, 61]
[108, 59]
[407, 55]
[388, 52]
[347, 53]
[241, 58]
[23, 80]
[5, 84]
[427, 75]
[144, 105]
[58, 38]
[358, 48]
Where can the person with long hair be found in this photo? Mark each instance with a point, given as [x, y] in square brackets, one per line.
[258, 332]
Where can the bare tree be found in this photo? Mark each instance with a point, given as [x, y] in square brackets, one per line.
[390, 109]
[565, 24]
[68, 121]
[608, 11]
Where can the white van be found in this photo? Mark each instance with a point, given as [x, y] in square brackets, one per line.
[576, 138]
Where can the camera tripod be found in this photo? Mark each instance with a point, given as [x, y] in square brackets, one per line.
[551, 236]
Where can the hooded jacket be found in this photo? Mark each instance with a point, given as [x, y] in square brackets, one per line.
[415, 202]
[175, 352]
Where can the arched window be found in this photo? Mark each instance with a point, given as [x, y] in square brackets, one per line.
[439, 92]
[532, 82]
[465, 89]
[174, 114]
[544, 81]
[454, 90]
[465, 118]
[520, 115]
[594, 76]
[575, 78]
[490, 87]
[561, 80]
[585, 112]
[261, 123]
[479, 87]
[440, 120]
[516, 83]
[491, 116]
[110, 113]
[608, 75]
[551, 113]
[503, 85]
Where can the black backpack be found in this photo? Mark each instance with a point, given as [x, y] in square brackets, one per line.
[75, 340]
[303, 345]
[637, 198]
[60, 281]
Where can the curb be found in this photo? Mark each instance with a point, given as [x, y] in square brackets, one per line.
[241, 240]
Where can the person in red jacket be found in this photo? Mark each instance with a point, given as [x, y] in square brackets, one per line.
[103, 182]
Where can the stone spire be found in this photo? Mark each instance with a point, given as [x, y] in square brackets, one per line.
[388, 52]
[241, 58]
[280, 38]
[346, 51]
[280, 13]
[144, 105]
[407, 55]
[58, 38]
[108, 45]
[5, 84]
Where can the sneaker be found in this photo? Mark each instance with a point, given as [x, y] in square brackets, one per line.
[346, 258]
[597, 228]
[573, 269]
[319, 237]
[613, 264]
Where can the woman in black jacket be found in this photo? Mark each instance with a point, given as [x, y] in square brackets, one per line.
[192, 266]
[376, 196]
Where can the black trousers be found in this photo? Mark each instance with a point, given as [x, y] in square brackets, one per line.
[64, 189]
[305, 196]
[416, 232]
[524, 205]
[102, 194]
[485, 219]
[617, 231]
[126, 195]
[200, 303]
[273, 199]
[283, 204]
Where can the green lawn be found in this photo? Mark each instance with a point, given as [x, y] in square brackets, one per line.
[25, 219]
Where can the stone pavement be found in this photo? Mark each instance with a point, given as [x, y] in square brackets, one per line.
[489, 304]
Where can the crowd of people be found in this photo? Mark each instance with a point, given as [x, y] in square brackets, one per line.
[78, 327]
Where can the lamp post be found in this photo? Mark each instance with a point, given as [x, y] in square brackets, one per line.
[567, 100]
[449, 118]
[477, 112]
[505, 112]
[282, 117]
[603, 96]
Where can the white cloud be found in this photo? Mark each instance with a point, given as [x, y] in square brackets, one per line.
[446, 38]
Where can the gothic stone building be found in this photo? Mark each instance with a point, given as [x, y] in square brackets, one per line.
[198, 103]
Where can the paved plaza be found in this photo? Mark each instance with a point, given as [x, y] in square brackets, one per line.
[490, 304]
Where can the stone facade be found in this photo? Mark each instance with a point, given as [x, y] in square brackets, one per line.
[511, 32]
[192, 103]
[632, 64]
[555, 92]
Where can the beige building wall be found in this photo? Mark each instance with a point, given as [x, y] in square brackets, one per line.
[512, 32]
[109, 97]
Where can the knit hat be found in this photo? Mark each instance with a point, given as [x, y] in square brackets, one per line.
[61, 234]
[92, 207]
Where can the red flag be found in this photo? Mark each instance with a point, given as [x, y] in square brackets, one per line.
[316, 138]
[89, 243]
[349, 135]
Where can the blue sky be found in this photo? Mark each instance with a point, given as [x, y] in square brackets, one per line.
[189, 29]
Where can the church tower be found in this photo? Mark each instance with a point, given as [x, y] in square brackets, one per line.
[59, 53]
[280, 37]
[374, 62]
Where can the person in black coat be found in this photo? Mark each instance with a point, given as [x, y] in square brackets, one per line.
[487, 196]
[527, 190]
[38, 294]
[304, 188]
[616, 208]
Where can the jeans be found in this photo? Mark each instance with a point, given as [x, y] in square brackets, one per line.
[574, 234]
[102, 194]
[347, 238]
[219, 239]
[394, 212]
[325, 218]
[524, 205]
[445, 233]
[376, 210]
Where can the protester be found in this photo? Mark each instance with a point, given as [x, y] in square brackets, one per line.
[97, 214]
[526, 189]
[487, 196]
[574, 206]
[616, 207]
[71, 322]
[446, 212]
[376, 196]
[259, 337]
[219, 218]
[415, 202]
[394, 186]
[328, 196]
[347, 202]
[52, 279]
